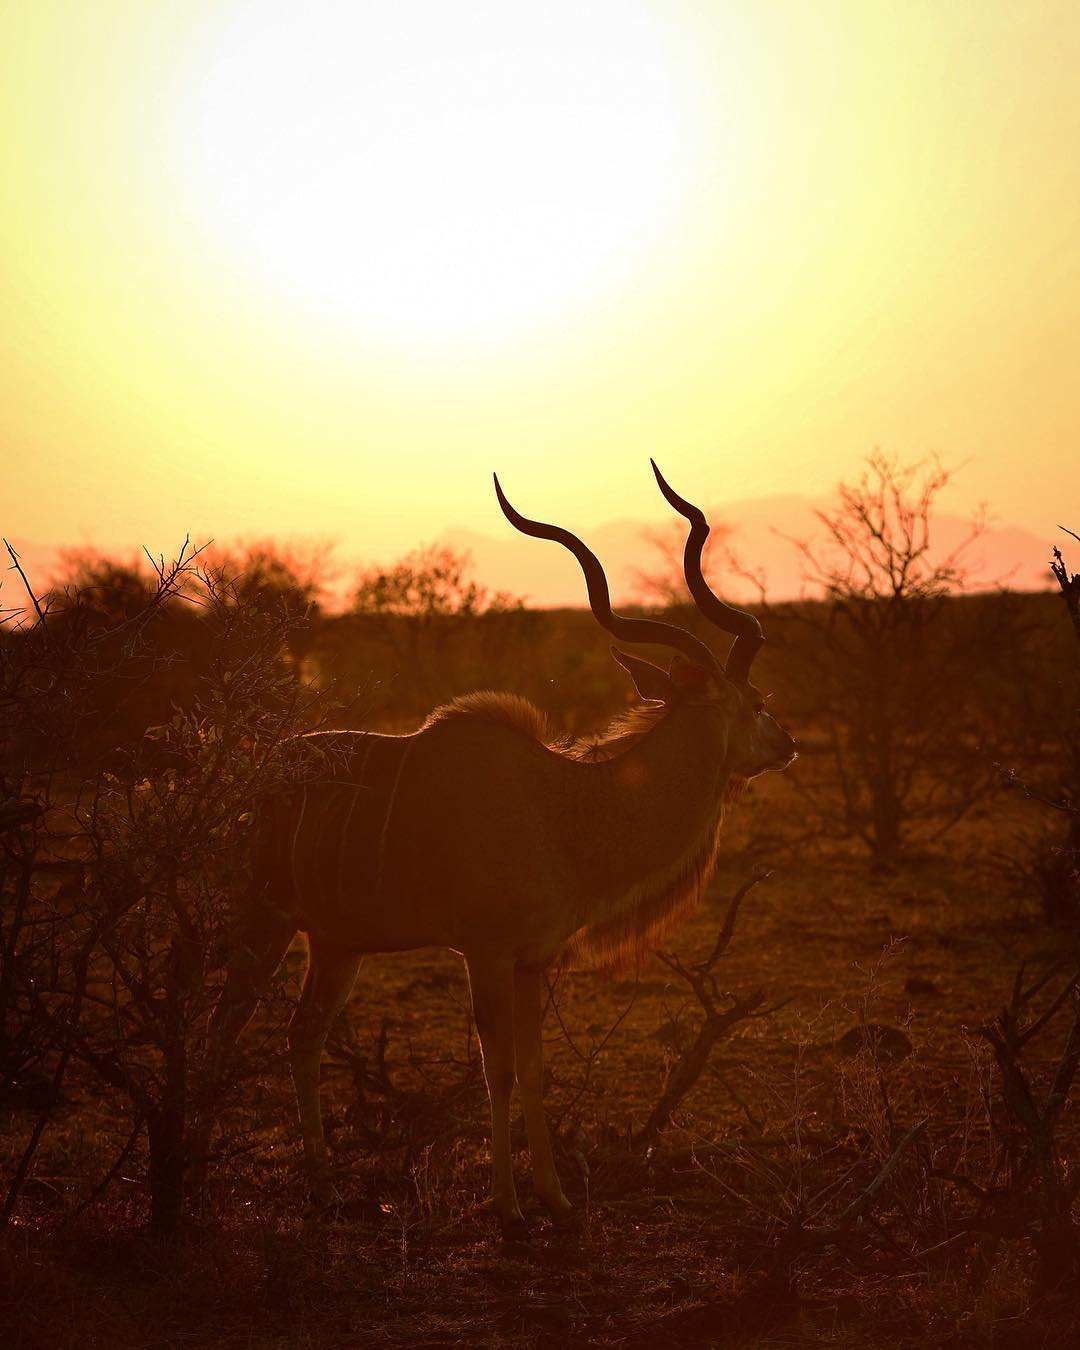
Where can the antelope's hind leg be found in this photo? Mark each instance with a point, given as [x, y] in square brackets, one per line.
[528, 1011]
[261, 941]
[491, 981]
[327, 985]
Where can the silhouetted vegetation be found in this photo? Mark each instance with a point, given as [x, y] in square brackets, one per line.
[904, 678]
[905, 691]
[841, 1138]
[123, 874]
[1054, 862]
[423, 628]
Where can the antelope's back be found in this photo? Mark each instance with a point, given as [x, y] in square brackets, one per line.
[392, 842]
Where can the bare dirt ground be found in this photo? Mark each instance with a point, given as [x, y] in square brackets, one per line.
[673, 1237]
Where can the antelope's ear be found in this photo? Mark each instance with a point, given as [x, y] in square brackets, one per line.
[650, 681]
[688, 677]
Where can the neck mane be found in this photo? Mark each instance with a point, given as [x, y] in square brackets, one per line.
[619, 737]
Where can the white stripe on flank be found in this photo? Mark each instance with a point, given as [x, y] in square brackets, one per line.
[346, 822]
[411, 741]
[292, 851]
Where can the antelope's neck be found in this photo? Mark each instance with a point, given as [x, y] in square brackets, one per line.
[644, 812]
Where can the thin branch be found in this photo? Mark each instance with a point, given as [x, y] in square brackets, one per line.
[29, 589]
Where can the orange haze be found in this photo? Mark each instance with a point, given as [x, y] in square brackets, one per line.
[315, 270]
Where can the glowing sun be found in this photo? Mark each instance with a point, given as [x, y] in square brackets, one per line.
[436, 171]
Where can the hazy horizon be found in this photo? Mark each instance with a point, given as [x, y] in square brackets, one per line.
[544, 576]
[280, 271]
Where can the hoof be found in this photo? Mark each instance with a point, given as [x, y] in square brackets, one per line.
[567, 1222]
[195, 1190]
[324, 1194]
[513, 1229]
[558, 1208]
[364, 1211]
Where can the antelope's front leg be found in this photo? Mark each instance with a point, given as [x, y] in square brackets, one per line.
[492, 983]
[528, 1011]
[327, 985]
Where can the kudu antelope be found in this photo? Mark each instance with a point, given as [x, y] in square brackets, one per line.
[481, 833]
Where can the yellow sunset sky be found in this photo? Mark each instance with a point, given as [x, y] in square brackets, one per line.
[284, 269]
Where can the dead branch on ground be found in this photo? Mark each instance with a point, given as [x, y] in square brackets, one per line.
[717, 1022]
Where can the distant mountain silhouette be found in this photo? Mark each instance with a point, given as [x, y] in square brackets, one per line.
[547, 575]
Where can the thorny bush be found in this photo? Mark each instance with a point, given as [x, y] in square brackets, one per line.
[116, 881]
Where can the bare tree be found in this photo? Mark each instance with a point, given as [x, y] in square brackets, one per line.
[55, 657]
[1070, 584]
[1027, 1190]
[1039, 1191]
[662, 584]
[116, 967]
[1057, 863]
[892, 660]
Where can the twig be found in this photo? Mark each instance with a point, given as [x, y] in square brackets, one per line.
[121, 1159]
[859, 1205]
[723, 938]
[29, 590]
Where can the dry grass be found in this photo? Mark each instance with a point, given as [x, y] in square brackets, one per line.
[674, 1244]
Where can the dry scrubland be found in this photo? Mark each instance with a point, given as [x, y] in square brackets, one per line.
[854, 1159]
